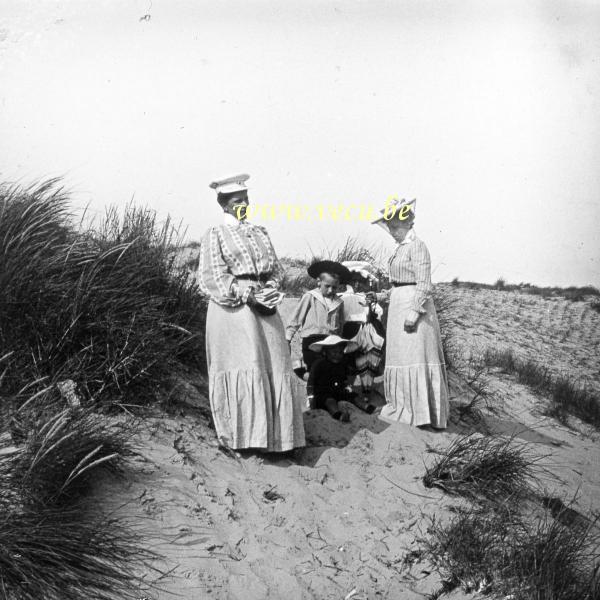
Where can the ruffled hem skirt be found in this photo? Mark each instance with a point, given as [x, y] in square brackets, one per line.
[415, 381]
[250, 381]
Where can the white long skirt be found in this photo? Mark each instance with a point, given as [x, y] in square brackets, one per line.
[250, 381]
[415, 381]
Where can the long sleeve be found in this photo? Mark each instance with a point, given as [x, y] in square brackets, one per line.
[384, 295]
[215, 278]
[421, 264]
[298, 317]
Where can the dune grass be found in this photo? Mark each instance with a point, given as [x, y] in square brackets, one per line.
[89, 316]
[508, 556]
[53, 543]
[567, 397]
[105, 306]
[66, 554]
[56, 455]
[295, 284]
[505, 544]
[484, 467]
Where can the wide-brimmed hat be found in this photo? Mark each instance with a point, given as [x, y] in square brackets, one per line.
[361, 269]
[328, 342]
[394, 208]
[329, 266]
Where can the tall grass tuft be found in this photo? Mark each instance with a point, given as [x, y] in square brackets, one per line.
[354, 249]
[88, 316]
[506, 556]
[59, 454]
[106, 307]
[53, 542]
[484, 467]
[62, 554]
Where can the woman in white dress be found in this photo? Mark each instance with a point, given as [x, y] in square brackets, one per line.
[249, 366]
[415, 381]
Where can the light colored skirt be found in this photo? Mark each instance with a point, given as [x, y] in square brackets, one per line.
[415, 382]
[250, 380]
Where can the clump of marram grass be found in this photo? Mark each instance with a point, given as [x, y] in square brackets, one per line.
[484, 467]
[62, 453]
[355, 250]
[106, 307]
[570, 399]
[503, 554]
[53, 543]
[66, 554]
[566, 396]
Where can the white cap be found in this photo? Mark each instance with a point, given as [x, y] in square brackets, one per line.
[237, 183]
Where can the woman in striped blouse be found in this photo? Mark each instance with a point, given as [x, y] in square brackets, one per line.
[415, 382]
[249, 366]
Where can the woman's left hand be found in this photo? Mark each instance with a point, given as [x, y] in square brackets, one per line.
[251, 300]
[410, 326]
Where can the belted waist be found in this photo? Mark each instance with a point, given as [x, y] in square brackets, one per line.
[263, 278]
[403, 283]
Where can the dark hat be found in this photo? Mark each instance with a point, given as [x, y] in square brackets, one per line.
[331, 267]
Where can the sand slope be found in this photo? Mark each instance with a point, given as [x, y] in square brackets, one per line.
[341, 519]
[329, 522]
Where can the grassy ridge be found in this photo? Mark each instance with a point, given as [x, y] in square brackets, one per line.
[573, 293]
[88, 318]
[105, 307]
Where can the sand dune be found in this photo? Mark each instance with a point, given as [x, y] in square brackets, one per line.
[341, 519]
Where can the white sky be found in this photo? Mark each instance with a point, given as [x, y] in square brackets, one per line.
[487, 112]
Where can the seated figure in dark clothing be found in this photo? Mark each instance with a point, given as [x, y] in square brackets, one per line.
[327, 381]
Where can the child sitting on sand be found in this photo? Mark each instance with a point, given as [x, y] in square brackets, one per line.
[327, 382]
[319, 312]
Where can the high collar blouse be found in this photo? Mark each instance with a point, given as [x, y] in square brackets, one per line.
[411, 263]
[236, 249]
